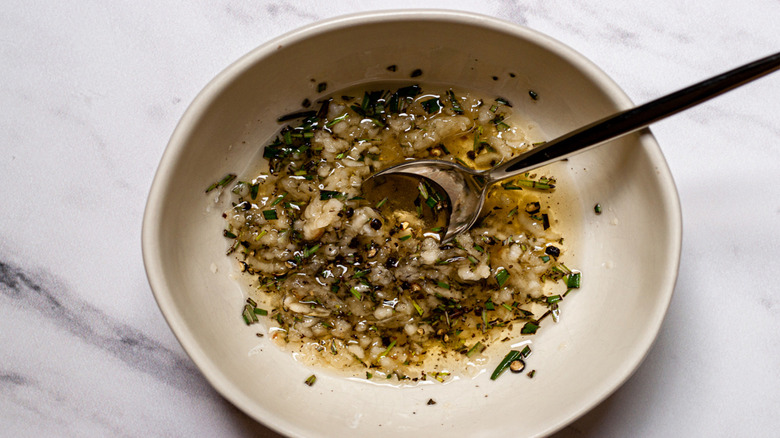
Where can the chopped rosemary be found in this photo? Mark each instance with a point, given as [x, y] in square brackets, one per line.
[222, 183]
[443, 284]
[454, 102]
[296, 115]
[573, 280]
[410, 91]
[597, 208]
[417, 307]
[338, 119]
[529, 328]
[531, 184]
[270, 215]
[310, 380]
[461, 162]
[476, 349]
[381, 203]
[308, 252]
[423, 191]
[278, 199]
[386, 352]
[356, 293]
[501, 277]
[503, 101]
[431, 105]
[330, 194]
[477, 134]
[359, 273]
[504, 364]
[553, 299]
[233, 247]
[249, 315]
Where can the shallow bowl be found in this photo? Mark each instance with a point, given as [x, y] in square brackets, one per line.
[629, 254]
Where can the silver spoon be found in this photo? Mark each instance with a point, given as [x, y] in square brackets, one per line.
[466, 188]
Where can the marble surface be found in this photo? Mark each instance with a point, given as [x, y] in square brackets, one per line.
[92, 90]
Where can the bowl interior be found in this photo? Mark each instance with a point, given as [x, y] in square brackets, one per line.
[628, 254]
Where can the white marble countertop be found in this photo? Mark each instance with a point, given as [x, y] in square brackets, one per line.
[92, 90]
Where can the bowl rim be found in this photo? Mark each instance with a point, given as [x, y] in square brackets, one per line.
[174, 150]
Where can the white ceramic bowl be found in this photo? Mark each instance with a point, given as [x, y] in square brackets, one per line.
[629, 255]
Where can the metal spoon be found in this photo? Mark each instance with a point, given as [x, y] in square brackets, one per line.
[466, 188]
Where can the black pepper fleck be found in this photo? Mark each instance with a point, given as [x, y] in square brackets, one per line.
[391, 262]
[416, 72]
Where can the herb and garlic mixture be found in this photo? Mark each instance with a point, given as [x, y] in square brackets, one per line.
[352, 281]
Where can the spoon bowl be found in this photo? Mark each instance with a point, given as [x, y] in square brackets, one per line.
[465, 189]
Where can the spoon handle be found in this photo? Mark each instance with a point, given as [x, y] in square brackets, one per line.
[633, 119]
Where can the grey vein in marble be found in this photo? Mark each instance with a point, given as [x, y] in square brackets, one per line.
[57, 304]
[13, 379]
[292, 9]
